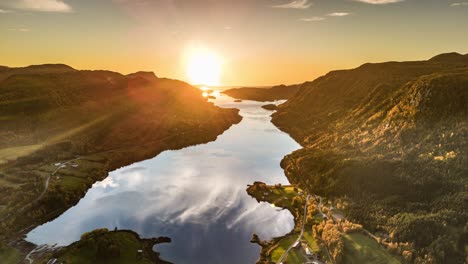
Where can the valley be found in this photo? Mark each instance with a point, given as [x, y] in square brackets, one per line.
[378, 178]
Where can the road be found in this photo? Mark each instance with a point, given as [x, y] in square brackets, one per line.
[298, 240]
[46, 186]
[43, 249]
[62, 165]
[324, 215]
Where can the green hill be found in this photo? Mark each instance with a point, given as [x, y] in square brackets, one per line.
[390, 139]
[96, 120]
[103, 246]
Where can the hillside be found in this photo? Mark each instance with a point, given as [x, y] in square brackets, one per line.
[63, 129]
[104, 246]
[280, 92]
[390, 141]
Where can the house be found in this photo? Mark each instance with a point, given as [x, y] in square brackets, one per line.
[338, 217]
[139, 254]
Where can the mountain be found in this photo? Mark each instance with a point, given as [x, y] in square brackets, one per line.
[52, 115]
[280, 92]
[146, 76]
[5, 72]
[390, 141]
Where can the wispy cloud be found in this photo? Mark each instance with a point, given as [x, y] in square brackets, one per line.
[19, 29]
[338, 14]
[460, 4]
[3, 11]
[296, 4]
[379, 2]
[40, 5]
[311, 19]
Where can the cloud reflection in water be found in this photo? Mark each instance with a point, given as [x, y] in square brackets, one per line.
[195, 195]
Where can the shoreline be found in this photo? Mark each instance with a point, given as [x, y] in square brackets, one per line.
[93, 167]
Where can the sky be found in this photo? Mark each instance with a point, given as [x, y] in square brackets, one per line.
[259, 42]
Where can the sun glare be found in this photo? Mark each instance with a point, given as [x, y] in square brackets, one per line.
[204, 67]
[216, 93]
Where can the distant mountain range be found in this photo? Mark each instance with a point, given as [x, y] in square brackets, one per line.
[280, 92]
[391, 141]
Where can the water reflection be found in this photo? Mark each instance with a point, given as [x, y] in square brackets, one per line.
[195, 195]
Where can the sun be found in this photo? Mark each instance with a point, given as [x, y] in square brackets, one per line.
[203, 67]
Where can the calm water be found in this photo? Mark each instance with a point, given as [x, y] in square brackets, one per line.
[195, 195]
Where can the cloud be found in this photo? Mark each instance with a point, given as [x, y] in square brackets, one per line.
[132, 170]
[19, 29]
[296, 4]
[3, 11]
[460, 4]
[338, 14]
[41, 5]
[379, 2]
[310, 19]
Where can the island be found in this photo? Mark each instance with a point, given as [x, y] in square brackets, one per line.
[270, 107]
[280, 92]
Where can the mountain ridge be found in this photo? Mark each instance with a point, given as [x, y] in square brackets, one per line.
[389, 139]
[99, 120]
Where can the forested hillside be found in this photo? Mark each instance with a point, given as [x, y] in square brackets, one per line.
[63, 129]
[389, 140]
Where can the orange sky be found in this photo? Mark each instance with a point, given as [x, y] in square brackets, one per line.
[263, 42]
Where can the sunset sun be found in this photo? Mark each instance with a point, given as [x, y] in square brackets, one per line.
[204, 67]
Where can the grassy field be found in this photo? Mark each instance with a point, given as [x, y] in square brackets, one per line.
[73, 176]
[9, 255]
[362, 249]
[287, 191]
[295, 257]
[7, 154]
[278, 196]
[313, 245]
[282, 246]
